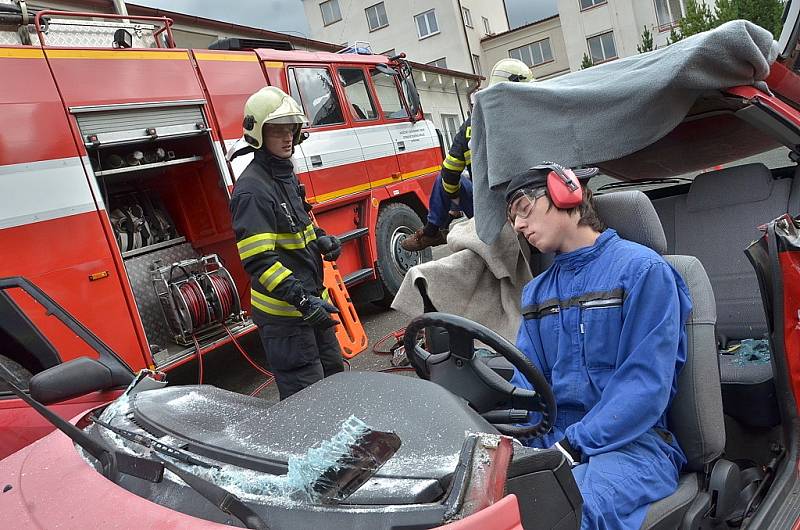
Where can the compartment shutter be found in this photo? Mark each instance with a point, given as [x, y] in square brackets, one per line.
[138, 122]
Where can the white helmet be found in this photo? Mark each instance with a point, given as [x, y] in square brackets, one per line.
[510, 70]
[270, 105]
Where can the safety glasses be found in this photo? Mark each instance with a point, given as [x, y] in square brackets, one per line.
[280, 131]
[522, 202]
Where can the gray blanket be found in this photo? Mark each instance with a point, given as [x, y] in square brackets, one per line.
[478, 281]
[604, 112]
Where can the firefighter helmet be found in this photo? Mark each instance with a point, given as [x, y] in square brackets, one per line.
[510, 70]
[270, 105]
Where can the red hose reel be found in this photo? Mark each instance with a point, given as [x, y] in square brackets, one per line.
[198, 297]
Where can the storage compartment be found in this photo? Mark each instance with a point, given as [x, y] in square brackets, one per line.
[168, 208]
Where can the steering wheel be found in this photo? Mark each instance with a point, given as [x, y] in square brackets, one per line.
[461, 372]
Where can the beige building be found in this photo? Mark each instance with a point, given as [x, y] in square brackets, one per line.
[539, 44]
[444, 33]
[609, 29]
[441, 37]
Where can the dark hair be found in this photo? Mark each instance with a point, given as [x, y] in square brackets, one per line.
[586, 209]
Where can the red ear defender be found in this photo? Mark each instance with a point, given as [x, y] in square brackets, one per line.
[564, 188]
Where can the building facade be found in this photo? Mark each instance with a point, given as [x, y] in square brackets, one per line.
[539, 44]
[605, 30]
[443, 33]
[442, 38]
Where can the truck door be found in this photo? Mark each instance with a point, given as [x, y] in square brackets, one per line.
[416, 144]
[332, 153]
[371, 129]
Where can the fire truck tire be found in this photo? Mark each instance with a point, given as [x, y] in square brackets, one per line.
[19, 374]
[396, 222]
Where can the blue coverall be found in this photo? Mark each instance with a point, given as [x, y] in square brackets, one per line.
[605, 325]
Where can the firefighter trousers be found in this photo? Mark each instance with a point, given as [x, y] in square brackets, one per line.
[299, 356]
[440, 204]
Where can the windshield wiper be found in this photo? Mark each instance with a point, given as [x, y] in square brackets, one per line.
[154, 444]
[646, 182]
[112, 462]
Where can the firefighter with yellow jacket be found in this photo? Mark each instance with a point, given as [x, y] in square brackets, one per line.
[281, 249]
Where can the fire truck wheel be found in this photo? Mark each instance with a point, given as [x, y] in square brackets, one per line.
[396, 222]
[19, 374]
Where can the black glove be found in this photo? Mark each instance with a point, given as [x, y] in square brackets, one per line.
[329, 247]
[316, 312]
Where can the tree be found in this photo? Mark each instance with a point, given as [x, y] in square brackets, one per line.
[698, 18]
[674, 36]
[586, 62]
[646, 44]
[725, 11]
[765, 13]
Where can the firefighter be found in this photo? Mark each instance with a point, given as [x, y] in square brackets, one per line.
[281, 249]
[611, 351]
[452, 191]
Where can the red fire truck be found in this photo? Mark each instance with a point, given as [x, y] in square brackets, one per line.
[116, 166]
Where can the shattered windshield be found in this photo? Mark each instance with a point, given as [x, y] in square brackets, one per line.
[329, 471]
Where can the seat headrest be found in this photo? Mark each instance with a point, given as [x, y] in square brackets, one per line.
[634, 218]
[726, 187]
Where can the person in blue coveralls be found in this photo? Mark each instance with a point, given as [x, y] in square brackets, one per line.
[605, 324]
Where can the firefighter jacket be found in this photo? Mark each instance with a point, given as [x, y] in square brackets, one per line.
[276, 240]
[458, 158]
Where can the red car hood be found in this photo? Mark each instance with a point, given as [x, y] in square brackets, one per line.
[48, 485]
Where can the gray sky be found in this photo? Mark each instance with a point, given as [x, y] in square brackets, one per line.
[523, 11]
[288, 16]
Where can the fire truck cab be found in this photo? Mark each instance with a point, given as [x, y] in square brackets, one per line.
[116, 165]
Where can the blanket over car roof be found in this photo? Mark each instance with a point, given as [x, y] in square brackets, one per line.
[604, 112]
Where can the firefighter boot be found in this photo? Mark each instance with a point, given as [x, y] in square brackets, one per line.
[419, 240]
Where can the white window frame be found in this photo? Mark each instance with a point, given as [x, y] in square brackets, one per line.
[487, 28]
[424, 15]
[594, 3]
[666, 25]
[467, 17]
[476, 62]
[436, 63]
[378, 8]
[530, 47]
[330, 3]
[606, 58]
[450, 128]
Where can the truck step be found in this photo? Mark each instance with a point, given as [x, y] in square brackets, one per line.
[353, 234]
[357, 276]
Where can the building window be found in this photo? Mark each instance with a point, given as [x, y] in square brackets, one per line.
[533, 54]
[601, 47]
[313, 88]
[330, 12]
[586, 4]
[451, 126]
[426, 24]
[388, 95]
[441, 63]
[467, 17]
[486, 27]
[376, 17]
[476, 60]
[668, 13]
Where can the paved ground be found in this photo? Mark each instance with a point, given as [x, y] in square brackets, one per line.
[227, 369]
